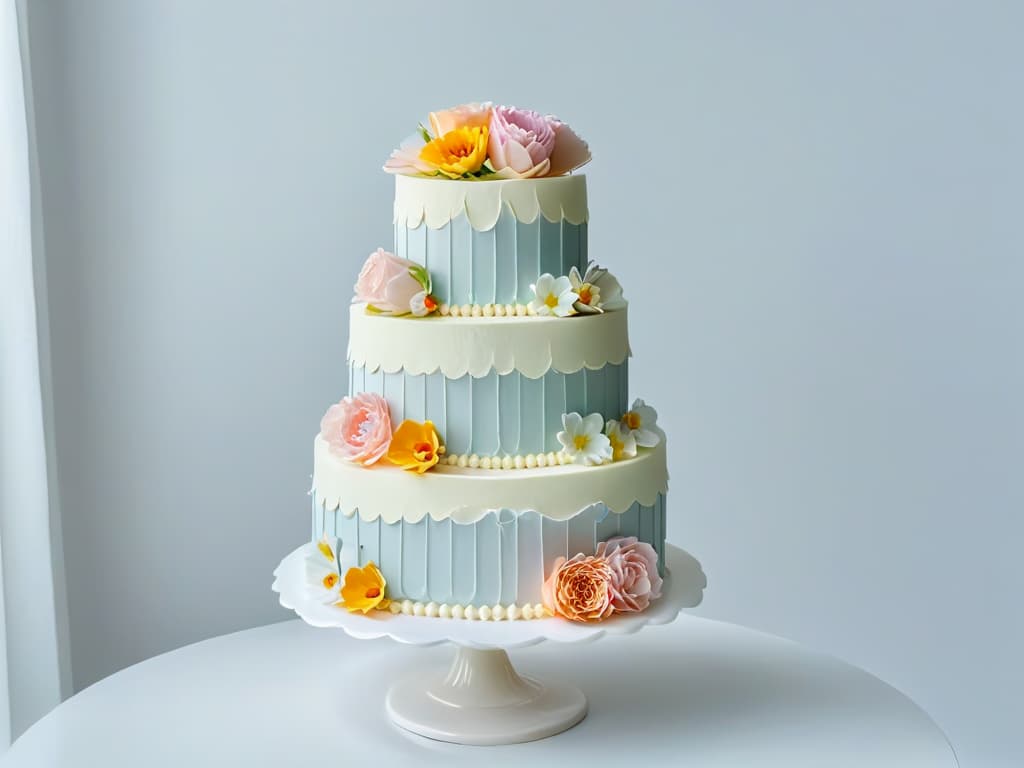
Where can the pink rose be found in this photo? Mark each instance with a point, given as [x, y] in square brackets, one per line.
[634, 567]
[462, 116]
[570, 150]
[579, 589]
[387, 283]
[358, 428]
[520, 143]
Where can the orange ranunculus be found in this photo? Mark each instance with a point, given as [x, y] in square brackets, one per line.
[458, 152]
[579, 589]
[364, 589]
[415, 446]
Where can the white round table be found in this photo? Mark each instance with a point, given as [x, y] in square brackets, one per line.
[696, 692]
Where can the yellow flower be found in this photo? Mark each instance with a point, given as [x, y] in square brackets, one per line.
[364, 589]
[415, 446]
[458, 152]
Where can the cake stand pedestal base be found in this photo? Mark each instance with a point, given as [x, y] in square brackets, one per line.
[483, 701]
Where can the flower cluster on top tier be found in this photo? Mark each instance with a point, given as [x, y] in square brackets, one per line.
[574, 294]
[479, 141]
[621, 577]
[591, 441]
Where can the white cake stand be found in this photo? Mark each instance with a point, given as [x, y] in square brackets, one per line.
[482, 700]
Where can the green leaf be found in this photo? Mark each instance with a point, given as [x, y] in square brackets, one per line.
[421, 276]
[372, 310]
[427, 138]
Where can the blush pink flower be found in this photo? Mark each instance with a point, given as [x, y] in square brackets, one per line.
[520, 143]
[391, 284]
[579, 589]
[358, 429]
[570, 150]
[634, 568]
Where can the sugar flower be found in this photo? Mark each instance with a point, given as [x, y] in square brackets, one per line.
[460, 152]
[463, 116]
[323, 581]
[579, 589]
[415, 446]
[622, 441]
[553, 296]
[358, 429]
[583, 440]
[634, 566]
[364, 589]
[392, 285]
[598, 290]
[520, 143]
[570, 150]
[642, 421]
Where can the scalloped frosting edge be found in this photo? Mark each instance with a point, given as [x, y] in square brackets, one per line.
[438, 201]
[467, 495]
[457, 346]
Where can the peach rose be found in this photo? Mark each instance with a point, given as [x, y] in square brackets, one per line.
[388, 283]
[462, 116]
[579, 589]
[358, 429]
[634, 567]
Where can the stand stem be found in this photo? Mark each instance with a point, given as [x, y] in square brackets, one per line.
[480, 678]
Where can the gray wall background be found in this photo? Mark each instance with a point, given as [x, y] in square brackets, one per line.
[815, 209]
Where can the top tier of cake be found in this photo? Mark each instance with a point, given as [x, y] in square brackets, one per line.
[487, 242]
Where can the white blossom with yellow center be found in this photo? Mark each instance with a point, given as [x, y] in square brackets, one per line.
[323, 578]
[642, 421]
[553, 296]
[583, 441]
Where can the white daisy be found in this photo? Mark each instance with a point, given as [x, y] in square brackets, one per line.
[622, 441]
[642, 421]
[583, 441]
[323, 578]
[553, 296]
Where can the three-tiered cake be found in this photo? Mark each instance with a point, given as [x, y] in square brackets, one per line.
[487, 462]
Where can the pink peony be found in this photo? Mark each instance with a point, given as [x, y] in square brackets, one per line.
[462, 116]
[579, 589]
[634, 567]
[570, 150]
[520, 143]
[387, 284]
[358, 428]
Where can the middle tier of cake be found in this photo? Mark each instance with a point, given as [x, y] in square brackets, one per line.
[493, 387]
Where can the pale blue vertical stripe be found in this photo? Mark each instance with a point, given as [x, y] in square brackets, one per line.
[390, 562]
[581, 532]
[550, 246]
[571, 247]
[556, 541]
[555, 408]
[462, 260]
[484, 267]
[508, 531]
[527, 259]
[488, 554]
[531, 415]
[414, 559]
[369, 541]
[505, 258]
[415, 397]
[509, 414]
[485, 415]
[459, 414]
[439, 560]
[464, 560]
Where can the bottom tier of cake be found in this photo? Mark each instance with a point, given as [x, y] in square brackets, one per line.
[502, 558]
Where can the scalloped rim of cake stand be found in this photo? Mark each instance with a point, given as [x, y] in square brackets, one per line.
[683, 588]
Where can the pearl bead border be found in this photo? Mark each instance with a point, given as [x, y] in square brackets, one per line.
[529, 461]
[486, 310]
[527, 612]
